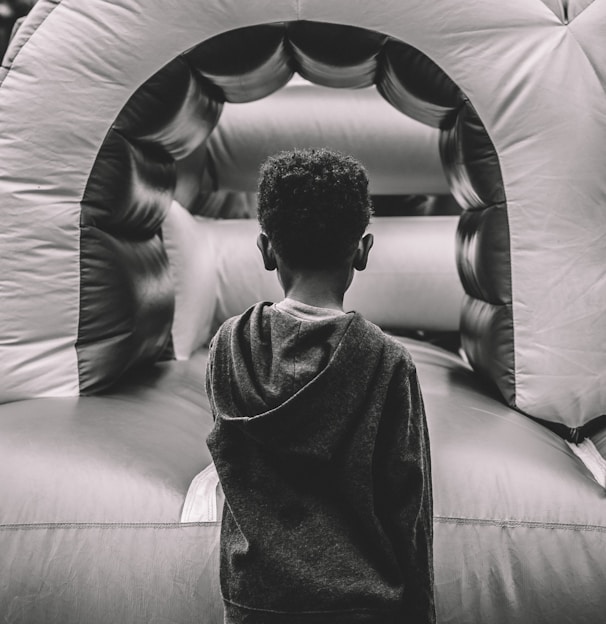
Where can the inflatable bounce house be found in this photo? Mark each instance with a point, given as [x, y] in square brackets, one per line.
[131, 133]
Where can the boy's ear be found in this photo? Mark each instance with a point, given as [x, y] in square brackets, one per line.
[269, 258]
[364, 247]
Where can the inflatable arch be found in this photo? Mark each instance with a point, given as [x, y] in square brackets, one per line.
[102, 104]
[521, 153]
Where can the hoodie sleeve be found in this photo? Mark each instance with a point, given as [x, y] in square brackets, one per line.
[404, 491]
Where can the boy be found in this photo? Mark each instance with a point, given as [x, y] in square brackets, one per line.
[320, 439]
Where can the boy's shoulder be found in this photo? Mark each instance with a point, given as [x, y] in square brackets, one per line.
[226, 327]
[394, 351]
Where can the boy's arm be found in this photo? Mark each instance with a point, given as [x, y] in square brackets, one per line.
[405, 502]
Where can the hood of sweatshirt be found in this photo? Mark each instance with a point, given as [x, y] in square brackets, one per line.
[293, 385]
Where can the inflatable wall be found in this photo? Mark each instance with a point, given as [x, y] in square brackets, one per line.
[119, 120]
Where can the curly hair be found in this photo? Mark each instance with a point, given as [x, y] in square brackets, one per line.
[314, 206]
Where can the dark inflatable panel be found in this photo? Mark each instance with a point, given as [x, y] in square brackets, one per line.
[483, 257]
[173, 109]
[486, 337]
[130, 188]
[416, 86]
[473, 172]
[335, 55]
[470, 161]
[126, 306]
[245, 64]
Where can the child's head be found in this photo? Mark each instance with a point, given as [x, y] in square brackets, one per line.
[314, 207]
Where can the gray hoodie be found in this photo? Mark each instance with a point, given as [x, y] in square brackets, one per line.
[321, 446]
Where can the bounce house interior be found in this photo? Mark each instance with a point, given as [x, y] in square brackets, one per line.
[131, 134]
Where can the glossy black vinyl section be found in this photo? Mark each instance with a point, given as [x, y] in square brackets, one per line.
[470, 161]
[483, 258]
[334, 55]
[175, 109]
[127, 307]
[483, 328]
[245, 64]
[130, 190]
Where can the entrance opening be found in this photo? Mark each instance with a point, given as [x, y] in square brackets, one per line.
[163, 145]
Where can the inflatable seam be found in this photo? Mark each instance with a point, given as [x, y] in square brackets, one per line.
[587, 58]
[566, 15]
[100, 525]
[514, 524]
